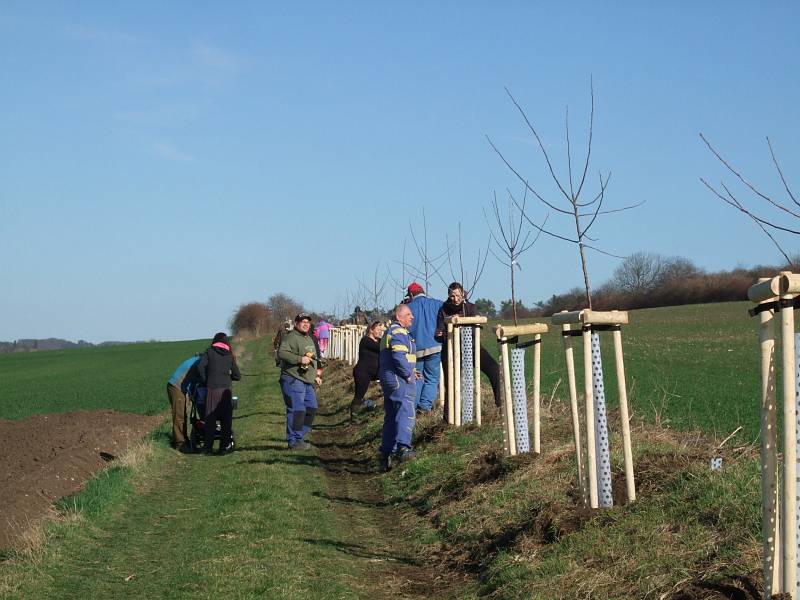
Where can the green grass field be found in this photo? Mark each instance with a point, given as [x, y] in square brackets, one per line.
[129, 378]
[688, 366]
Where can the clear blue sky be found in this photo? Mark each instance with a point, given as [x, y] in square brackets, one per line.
[162, 163]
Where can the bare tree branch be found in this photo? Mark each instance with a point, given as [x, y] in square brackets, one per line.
[780, 173]
[541, 146]
[523, 180]
[738, 205]
[749, 185]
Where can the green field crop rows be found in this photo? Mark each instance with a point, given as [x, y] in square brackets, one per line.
[129, 378]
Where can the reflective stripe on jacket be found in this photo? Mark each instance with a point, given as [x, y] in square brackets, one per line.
[398, 354]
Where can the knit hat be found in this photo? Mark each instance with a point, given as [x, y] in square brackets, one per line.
[220, 337]
[415, 289]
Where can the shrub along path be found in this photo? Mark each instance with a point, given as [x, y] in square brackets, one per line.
[261, 522]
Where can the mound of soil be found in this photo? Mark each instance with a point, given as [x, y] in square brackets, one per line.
[47, 457]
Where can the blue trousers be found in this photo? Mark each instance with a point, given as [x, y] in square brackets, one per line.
[428, 386]
[398, 416]
[301, 408]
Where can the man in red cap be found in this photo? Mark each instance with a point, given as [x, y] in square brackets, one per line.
[429, 356]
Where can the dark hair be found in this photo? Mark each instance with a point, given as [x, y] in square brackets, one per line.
[455, 286]
[374, 324]
[220, 337]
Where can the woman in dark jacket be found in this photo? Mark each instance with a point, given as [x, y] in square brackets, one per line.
[456, 304]
[366, 369]
[217, 369]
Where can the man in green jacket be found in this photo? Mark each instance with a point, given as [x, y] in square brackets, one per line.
[300, 371]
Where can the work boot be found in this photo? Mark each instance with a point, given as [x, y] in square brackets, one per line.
[385, 462]
[404, 454]
[300, 446]
[225, 449]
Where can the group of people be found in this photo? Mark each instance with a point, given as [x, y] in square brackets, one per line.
[405, 357]
[207, 377]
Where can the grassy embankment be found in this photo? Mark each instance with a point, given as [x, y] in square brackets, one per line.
[261, 522]
[516, 524]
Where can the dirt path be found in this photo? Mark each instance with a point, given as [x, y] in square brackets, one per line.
[375, 529]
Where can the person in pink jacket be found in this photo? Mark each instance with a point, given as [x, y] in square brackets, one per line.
[323, 333]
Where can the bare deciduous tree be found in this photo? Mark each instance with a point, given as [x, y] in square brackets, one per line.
[784, 209]
[638, 272]
[373, 293]
[468, 279]
[577, 210]
[430, 264]
[283, 306]
[515, 241]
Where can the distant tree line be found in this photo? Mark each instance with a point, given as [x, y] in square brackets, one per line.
[259, 318]
[646, 280]
[33, 345]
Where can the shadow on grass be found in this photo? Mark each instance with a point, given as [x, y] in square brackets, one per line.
[254, 414]
[307, 460]
[349, 500]
[362, 441]
[354, 466]
[333, 413]
[281, 445]
[361, 551]
[332, 425]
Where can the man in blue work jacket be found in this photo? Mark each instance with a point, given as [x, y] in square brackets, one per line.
[429, 357]
[398, 377]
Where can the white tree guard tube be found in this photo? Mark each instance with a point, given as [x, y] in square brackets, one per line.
[601, 427]
[467, 376]
[796, 590]
[770, 492]
[789, 390]
[520, 400]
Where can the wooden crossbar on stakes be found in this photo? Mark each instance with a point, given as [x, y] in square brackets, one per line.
[454, 325]
[590, 321]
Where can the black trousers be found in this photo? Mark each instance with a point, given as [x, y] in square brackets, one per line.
[362, 379]
[222, 412]
[489, 367]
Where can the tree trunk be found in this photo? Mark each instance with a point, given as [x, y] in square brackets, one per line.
[513, 295]
[576, 208]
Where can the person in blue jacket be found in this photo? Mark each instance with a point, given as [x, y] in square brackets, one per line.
[178, 385]
[398, 377]
[429, 351]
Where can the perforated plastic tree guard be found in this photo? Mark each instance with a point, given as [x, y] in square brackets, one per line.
[601, 427]
[520, 400]
[467, 376]
[797, 479]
